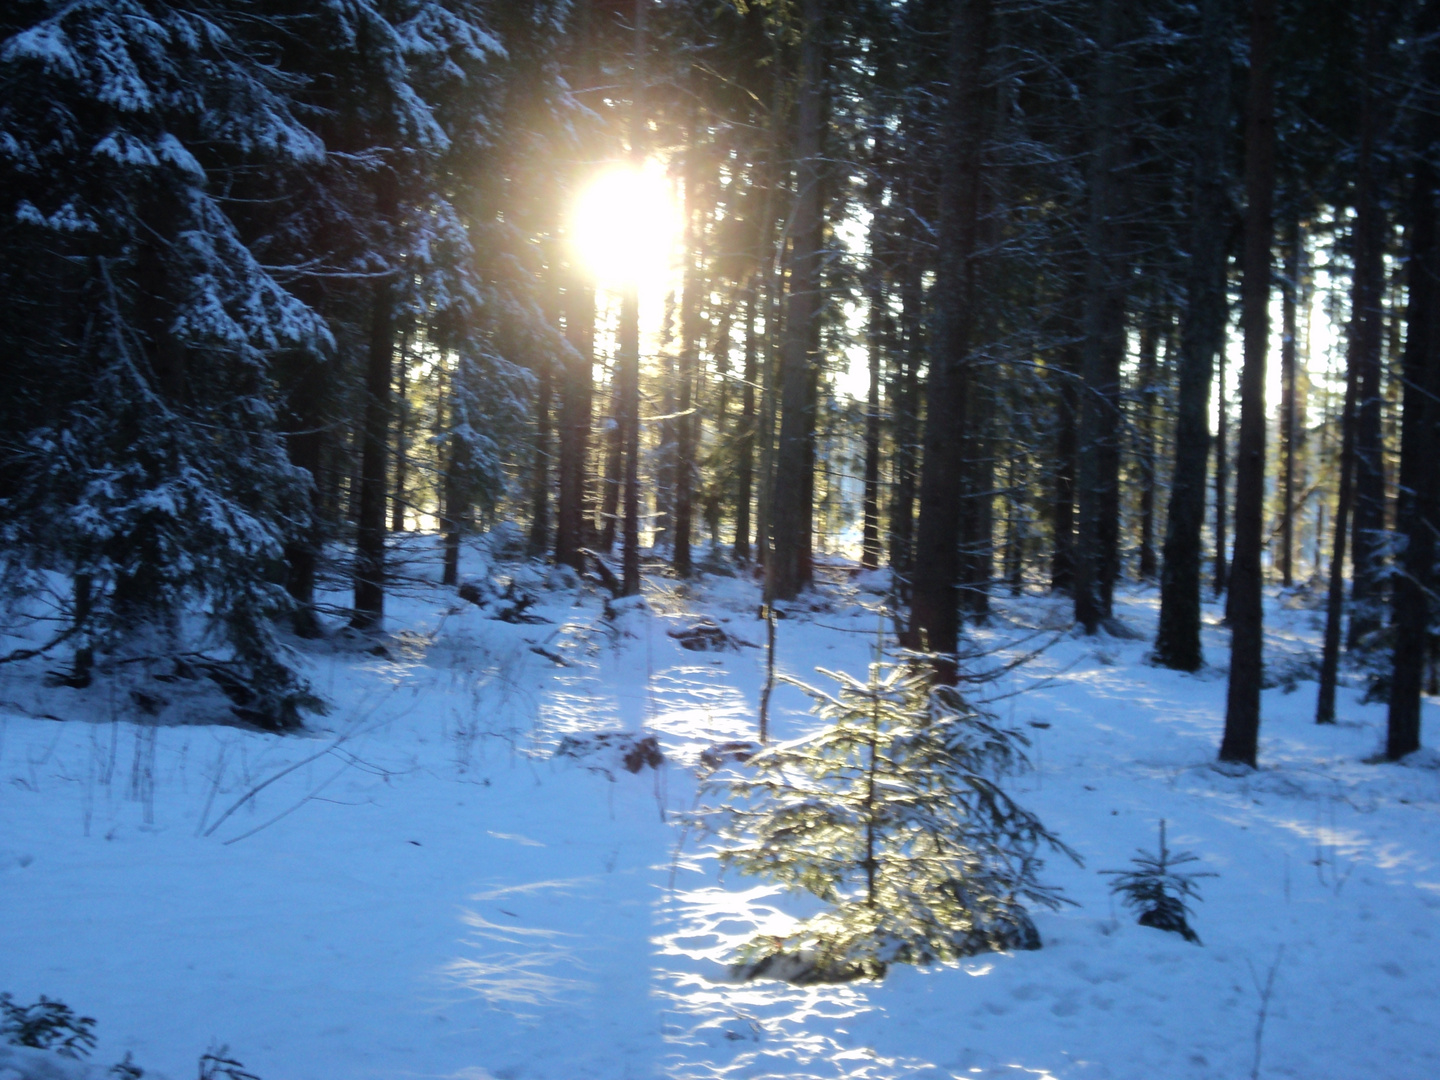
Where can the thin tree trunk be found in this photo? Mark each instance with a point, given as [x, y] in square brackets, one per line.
[1145, 428]
[614, 458]
[1242, 699]
[1062, 502]
[687, 427]
[1366, 339]
[1222, 474]
[870, 512]
[1335, 594]
[540, 465]
[1097, 539]
[369, 574]
[1419, 509]
[402, 448]
[1290, 289]
[576, 392]
[904, 397]
[628, 364]
[745, 435]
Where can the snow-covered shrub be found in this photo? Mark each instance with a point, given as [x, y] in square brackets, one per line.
[47, 1025]
[1158, 891]
[894, 816]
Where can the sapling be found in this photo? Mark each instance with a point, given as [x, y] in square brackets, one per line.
[893, 815]
[1158, 891]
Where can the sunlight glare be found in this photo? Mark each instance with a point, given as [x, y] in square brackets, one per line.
[625, 225]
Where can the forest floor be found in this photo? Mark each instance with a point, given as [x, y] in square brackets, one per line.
[421, 887]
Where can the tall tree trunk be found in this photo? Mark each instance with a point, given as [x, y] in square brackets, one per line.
[1097, 540]
[1366, 337]
[934, 605]
[905, 408]
[1242, 699]
[628, 374]
[1290, 290]
[369, 573]
[1145, 430]
[789, 567]
[1419, 509]
[576, 392]
[303, 445]
[875, 333]
[745, 434]
[402, 447]
[540, 464]
[686, 424]
[1221, 579]
[614, 456]
[1062, 499]
[1335, 594]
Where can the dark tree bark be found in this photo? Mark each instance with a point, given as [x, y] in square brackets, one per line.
[1242, 699]
[1062, 500]
[1145, 431]
[686, 424]
[628, 376]
[1335, 594]
[402, 435]
[905, 408]
[745, 433]
[614, 459]
[1097, 538]
[304, 442]
[374, 449]
[1366, 337]
[934, 604]
[1419, 508]
[576, 392]
[1290, 289]
[539, 540]
[789, 567]
[874, 335]
[1221, 578]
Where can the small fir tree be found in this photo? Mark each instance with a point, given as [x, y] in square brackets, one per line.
[893, 815]
[1158, 891]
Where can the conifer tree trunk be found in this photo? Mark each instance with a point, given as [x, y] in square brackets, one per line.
[369, 574]
[1062, 500]
[745, 434]
[1221, 578]
[614, 461]
[1335, 593]
[540, 464]
[1145, 430]
[904, 407]
[870, 505]
[934, 603]
[1366, 337]
[789, 567]
[1242, 700]
[1290, 287]
[686, 425]
[576, 392]
[1097, 538]
[402, 410]
[1419, 506]
[627, 364]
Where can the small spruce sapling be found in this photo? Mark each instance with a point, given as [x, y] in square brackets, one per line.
[47, 1025]
[891, 814]
[1158, 891]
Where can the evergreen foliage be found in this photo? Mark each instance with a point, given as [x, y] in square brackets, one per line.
[894, 815]
[47, 1025]
[1158, 891]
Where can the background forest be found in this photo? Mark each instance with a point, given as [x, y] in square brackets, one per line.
[950, 286]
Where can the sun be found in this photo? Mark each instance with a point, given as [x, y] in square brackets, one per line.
[624, 227]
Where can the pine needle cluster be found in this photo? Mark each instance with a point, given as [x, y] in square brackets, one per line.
[893, 815]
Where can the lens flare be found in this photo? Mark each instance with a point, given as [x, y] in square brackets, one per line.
[624, 227]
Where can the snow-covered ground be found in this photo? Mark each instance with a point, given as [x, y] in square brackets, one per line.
[420, 887]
